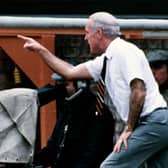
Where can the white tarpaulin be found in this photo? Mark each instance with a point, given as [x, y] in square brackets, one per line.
[18, 118]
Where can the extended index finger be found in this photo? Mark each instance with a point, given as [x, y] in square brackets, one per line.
[23, 37]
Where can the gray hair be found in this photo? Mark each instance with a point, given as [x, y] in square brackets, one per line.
[107, 22]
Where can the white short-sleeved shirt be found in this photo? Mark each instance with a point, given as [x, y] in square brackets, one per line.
[126, 62]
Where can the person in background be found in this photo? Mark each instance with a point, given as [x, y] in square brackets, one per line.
[79, 139]
[131, 92]
[158, 60]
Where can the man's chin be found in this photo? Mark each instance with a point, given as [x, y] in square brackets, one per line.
[95, 53]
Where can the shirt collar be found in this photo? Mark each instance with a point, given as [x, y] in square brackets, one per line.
[109, 48]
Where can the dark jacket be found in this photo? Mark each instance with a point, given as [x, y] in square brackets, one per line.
[88, 140]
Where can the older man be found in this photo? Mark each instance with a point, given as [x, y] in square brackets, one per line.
[130, 89]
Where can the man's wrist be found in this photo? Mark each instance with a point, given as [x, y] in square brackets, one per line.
[127, 128]
[42, 50]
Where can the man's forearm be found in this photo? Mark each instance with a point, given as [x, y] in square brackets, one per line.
[137, 98]
[56, 64]
[63, 68]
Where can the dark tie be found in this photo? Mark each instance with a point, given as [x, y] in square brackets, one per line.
[101, 90]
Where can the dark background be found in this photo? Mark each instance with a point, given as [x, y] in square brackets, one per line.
[84, 7]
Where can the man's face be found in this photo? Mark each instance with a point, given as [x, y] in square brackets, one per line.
[91, 37]
[160, 72]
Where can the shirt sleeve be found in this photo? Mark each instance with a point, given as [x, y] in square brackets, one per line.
[132, 66]
[94, 67]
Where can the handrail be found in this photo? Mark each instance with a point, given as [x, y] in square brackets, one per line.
[55, 22]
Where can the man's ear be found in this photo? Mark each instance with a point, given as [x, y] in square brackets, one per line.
[99, 33]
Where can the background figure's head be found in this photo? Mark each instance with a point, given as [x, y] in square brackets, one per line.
[101, 28]
[158, 60]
